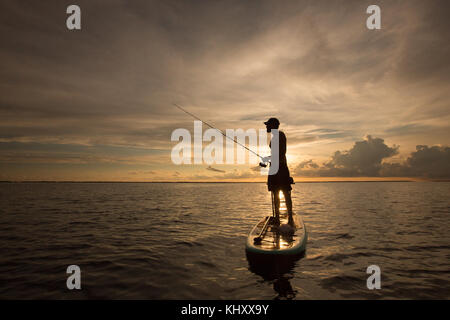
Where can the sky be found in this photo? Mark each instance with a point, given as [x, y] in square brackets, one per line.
[96, 104]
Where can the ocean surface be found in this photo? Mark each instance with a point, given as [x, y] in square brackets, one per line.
[187, 241]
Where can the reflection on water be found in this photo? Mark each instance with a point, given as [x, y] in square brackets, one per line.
[277, 270]
[187, 241]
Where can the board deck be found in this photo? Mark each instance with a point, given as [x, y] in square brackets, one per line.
[275, 242]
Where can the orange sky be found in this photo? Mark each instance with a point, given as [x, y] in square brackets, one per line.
[96, 104]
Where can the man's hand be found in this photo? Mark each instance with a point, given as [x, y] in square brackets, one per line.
[265, 159]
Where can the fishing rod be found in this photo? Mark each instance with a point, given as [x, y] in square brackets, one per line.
[185, 111]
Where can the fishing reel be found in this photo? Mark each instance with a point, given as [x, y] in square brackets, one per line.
[264, 162]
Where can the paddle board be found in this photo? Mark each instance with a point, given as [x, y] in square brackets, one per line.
[272, 239]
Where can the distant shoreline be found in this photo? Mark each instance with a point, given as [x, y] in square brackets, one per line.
[297, 182]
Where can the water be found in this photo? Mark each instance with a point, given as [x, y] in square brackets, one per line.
[187, 241]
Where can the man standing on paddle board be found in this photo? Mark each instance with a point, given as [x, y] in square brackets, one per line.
[281, 180]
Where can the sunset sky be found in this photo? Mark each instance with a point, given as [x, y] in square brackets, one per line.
[97, 103]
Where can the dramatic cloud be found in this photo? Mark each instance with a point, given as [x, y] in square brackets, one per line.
[365, 159]
[431, 162]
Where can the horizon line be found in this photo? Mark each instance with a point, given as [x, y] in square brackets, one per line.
[301, 181]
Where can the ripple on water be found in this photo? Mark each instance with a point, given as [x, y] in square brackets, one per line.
[186, 241]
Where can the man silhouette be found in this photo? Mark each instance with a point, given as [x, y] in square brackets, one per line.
[281, 180]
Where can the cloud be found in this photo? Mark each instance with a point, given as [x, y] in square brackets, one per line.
[366, 159]
[363, 159]
[308, 164]
[133, 173]
[176, 174]
[237, 174]
[431, 162]
[214, 169]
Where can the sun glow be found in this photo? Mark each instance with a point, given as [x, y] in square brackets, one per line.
[282, 201]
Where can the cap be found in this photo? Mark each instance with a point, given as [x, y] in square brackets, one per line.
[272, 121]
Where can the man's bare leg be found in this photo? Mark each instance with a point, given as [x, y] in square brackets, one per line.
[276, 201]
[288, 199]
